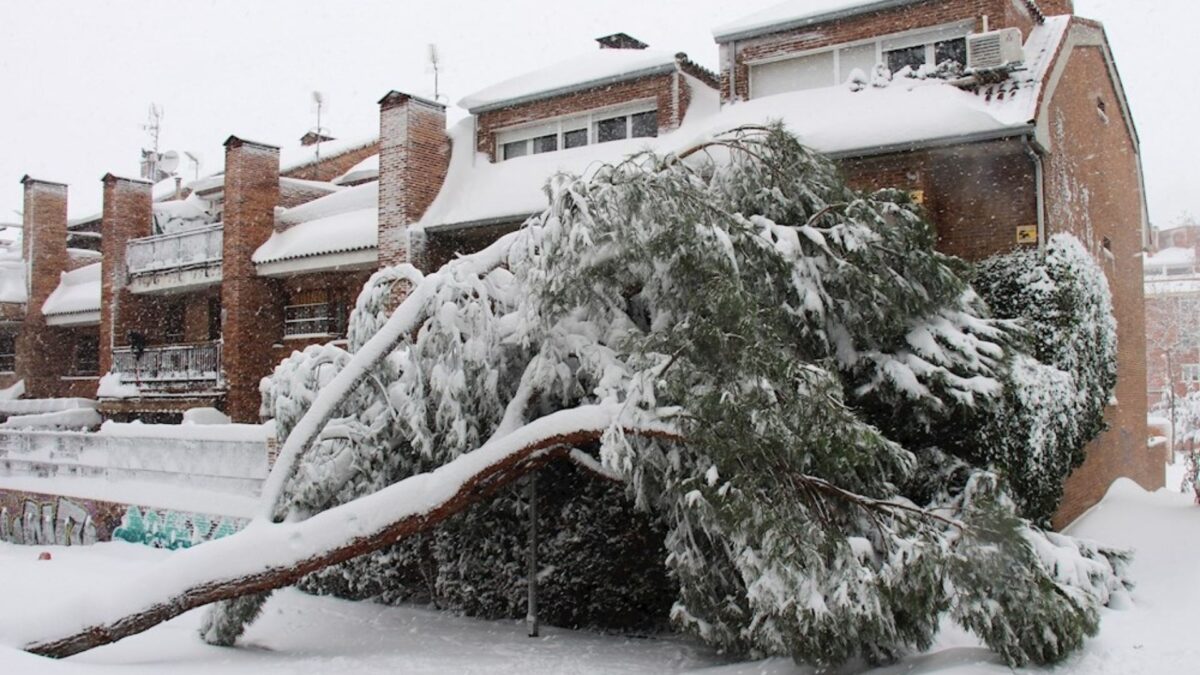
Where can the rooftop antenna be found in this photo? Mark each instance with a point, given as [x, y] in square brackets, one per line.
[319, 101]
[195, 160]
[435, 66]
[153, 128]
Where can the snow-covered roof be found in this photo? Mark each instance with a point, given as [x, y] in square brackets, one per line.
[1174, 256]
[594, 69]
[346, 220]
[907, 113]
[294, 157]
[368, 169]
[78, 292]
[797, 14]
[12, 277]
[1172, 285]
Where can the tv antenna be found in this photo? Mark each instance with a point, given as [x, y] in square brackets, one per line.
[319, 103]
[195, 160]
[153, 128]
[435, 67]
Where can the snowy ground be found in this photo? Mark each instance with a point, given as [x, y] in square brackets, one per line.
[300, 633]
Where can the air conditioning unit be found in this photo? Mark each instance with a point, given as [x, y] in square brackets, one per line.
[995, 49]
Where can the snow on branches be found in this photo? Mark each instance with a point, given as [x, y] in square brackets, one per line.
[834, 379]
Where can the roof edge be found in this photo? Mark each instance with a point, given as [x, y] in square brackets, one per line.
[573, 88]
[742, 34]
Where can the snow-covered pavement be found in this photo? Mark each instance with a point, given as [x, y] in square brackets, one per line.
[300, 633]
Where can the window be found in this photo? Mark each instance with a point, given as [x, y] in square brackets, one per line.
[950, 50]
[612, 129]
[638, 120]
[214, 317]
[87, 356]
[314, 312]
[575, 139]
[1190, 372]
[545, 144]
[909, 57]
[516, 149]
[8, 352]
[173, 322]
[644, 125]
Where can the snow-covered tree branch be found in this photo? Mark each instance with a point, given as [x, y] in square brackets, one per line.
[845, 420]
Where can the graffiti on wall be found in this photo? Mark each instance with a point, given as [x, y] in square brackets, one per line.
[41, 519]
[61, 522]
[172, 529]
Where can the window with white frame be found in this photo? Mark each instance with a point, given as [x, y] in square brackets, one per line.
[832, 66]
[638, 120]
[1190, 372]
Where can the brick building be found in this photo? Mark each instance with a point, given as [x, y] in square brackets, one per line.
[200, 295]
[1172, 286]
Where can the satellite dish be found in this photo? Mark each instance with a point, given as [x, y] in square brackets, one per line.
[169, 162]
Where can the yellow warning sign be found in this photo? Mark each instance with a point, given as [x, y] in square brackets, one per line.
[1027, 234]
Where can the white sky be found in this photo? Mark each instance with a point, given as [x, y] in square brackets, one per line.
[76, 78]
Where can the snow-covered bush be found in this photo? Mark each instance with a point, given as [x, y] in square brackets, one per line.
[1056, 395]
[809, 346]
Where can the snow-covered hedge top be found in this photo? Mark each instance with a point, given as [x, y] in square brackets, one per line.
[593, 69]
[795, 13]
[79, 291]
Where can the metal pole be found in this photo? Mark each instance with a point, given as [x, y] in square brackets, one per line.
[531, 617]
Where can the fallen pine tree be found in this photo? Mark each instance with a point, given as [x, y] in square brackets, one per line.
[784, 370]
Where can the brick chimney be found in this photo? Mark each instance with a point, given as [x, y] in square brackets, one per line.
[1056, 7]
[414, 154]
[621, 41]
[252, 315]
[44, 249]
[128, 214]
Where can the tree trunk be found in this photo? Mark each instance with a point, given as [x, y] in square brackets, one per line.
[267, 556]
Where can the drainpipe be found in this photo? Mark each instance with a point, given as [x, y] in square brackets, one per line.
[1040, 183]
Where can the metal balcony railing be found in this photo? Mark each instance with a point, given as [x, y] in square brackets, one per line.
[319, 318]
[170, 365]
[197, 247]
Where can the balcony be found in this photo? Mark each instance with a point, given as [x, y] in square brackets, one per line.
[181, 367]
[175, 262]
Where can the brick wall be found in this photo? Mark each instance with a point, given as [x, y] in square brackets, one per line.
[735, 69]
[669, 91]
[126, 215]
[1094, 191]
[976, 195]
[414, 155]
[249, 302]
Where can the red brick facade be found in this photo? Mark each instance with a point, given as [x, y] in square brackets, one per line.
[1093, 188]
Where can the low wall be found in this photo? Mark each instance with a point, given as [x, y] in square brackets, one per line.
[167, 486]
[42, 519]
